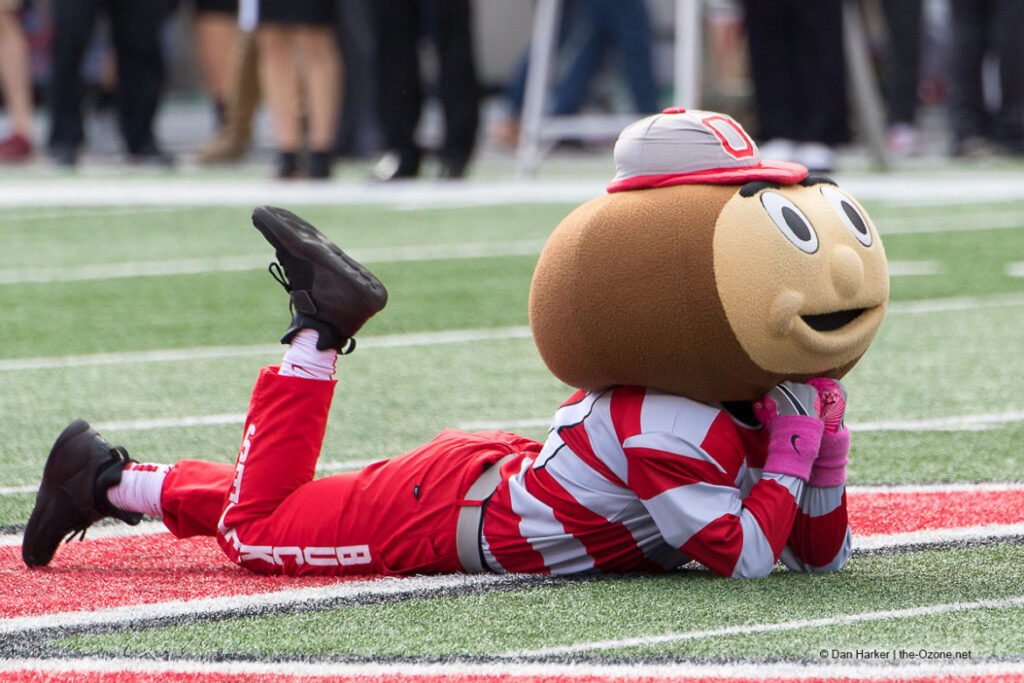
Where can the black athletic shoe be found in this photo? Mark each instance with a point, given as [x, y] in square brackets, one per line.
[79, 470]
[330, 291]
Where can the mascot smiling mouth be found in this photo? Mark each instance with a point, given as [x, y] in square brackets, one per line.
[830, 322]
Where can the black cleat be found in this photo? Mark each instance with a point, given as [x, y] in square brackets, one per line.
[79, 470]
[330, 291]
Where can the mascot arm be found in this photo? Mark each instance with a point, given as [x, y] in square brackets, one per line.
[821, 540]
[691, 495]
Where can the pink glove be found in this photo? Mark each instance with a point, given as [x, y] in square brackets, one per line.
[790, 414]
[830, 467]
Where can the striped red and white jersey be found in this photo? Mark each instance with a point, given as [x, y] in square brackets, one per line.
[633, 479]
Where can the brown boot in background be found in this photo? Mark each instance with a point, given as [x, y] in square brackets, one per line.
[232, 140]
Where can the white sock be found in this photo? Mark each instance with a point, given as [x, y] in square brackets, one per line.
[303, 359]
[140, 488]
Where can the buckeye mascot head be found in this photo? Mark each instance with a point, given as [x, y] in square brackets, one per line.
[706, 271]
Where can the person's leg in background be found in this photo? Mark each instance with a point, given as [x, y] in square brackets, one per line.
[772, 66]
[628, 24]
[73, 22]
[821, 110]
[16, 84]
[902, 72]
[457, 88]
[215, 28]
[317, 47]
[967, 115]
[279, 80]
[136, 29]
[399, 95]
[1007, 28]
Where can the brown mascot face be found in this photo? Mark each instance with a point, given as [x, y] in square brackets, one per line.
[715, 292]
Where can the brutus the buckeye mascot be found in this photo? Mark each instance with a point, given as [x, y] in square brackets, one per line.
[705, 308]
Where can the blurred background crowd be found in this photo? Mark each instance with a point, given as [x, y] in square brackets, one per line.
[352, 78]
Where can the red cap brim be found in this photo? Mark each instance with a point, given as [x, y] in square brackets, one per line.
[782, 172]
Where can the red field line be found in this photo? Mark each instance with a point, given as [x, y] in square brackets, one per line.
[114, 572]
[899, 512]
[124, 571]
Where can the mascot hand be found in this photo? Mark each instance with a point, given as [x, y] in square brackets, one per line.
[789, 412]
[830, 467]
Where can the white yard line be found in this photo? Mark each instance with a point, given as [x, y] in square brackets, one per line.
[369, 255]
[553, 671]
[169, 423]
[950, 423]
[40, 214]
[953, 423]
[955, 303]
[914, 268]
[228, 264]
[748, 629]
[941, 305]
[1015, 269]
[927, 222]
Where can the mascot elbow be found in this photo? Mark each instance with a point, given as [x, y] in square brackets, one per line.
[757, 569]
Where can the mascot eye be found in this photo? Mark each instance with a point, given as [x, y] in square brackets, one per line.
[847, 211]
[793, 224]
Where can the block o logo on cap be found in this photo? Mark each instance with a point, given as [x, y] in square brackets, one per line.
[734, 139]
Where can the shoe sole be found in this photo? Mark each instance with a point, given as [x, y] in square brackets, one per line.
[344, 288]
[47, 499]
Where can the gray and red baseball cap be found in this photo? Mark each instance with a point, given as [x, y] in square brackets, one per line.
[691, 146]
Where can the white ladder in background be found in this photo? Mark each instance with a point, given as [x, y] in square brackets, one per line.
[539, 131]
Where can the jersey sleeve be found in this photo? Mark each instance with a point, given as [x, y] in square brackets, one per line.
[690, 490]
[821, 540]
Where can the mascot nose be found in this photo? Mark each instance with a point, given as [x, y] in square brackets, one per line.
[846, 270]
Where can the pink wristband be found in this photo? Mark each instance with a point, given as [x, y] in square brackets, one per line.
[830, 467]
[793, 444]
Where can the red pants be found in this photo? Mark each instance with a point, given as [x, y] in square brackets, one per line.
[269, 514]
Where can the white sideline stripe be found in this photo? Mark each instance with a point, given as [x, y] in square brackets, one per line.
[176, 608]
[918, 189]
[229, 264]
[756, 671]
[94, 192]
[929, 536]
[747, 629]
[951, 487]
[212, 352]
